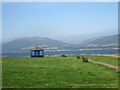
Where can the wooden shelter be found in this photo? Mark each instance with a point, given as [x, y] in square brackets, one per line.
[37, 52]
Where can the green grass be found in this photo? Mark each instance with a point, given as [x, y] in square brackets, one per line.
[56, 72]
[106, 59]
[0, 73]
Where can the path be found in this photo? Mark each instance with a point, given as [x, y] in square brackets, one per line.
[111, 55]
[105, 64]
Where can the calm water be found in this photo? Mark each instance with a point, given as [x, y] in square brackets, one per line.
[71, 52]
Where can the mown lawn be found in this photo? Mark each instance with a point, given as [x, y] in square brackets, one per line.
[55, 72]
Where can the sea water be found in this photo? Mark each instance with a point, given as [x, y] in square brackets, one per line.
[70, 52]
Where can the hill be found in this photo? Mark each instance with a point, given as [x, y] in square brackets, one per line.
[25, 44]
[22, 44]
[103, 41]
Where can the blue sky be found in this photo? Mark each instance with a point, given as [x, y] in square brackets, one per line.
[58, 20]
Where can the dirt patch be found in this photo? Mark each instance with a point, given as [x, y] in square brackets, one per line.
[111, 55]
[105, 64]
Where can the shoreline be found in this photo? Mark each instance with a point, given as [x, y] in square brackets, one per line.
[69, 53]
[110, 55]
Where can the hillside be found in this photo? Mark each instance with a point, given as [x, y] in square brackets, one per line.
[103, 41]
[25, 44]
[22, 44]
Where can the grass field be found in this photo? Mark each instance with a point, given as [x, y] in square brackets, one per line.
[57, 72]
[106, 59]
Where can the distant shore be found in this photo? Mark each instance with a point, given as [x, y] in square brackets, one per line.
[66, 52]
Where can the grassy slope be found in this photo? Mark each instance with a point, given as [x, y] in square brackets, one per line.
[106, 59]
[55, 72]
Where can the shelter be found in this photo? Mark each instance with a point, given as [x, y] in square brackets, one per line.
[37, 52]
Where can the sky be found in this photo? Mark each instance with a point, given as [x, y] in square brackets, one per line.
[63, 21]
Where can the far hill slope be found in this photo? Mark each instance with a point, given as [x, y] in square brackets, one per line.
[27, 43]
[101, 41]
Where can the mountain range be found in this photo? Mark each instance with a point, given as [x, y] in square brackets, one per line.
[25, 44]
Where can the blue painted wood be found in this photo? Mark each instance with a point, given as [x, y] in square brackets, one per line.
[37, 53]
